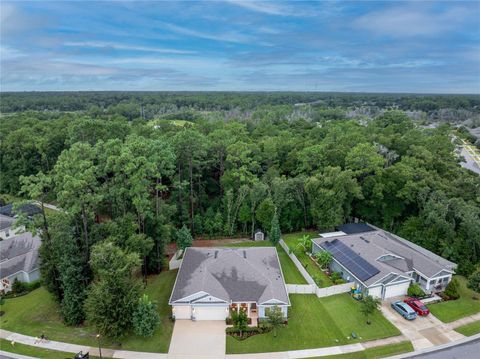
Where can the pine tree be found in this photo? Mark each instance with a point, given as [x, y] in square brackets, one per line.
[275, 233]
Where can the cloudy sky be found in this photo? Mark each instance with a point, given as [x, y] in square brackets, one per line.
[417, 46]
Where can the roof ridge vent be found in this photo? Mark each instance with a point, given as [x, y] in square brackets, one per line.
[245, 254]
[216, 254]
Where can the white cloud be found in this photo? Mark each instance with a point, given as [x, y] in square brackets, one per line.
[117, 46]
[263, 7]
[411, 21]
[228, 36]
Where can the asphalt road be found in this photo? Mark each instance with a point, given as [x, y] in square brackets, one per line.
[466, 350]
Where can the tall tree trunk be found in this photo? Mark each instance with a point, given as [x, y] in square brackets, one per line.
[190, 168]
[85, 231]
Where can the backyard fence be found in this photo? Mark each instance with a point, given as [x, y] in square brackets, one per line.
[175, 261]
[334, 289]
[301, 288]
[297, 263]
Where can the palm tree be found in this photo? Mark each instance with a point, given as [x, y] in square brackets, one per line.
[304, 242]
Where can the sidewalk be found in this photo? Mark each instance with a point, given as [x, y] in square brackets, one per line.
[125, 354]
[463, 321]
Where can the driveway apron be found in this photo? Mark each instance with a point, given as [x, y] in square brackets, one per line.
[199, 340]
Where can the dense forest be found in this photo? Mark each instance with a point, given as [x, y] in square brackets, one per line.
[131, 169]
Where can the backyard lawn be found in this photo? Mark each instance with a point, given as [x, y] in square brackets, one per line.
[292, 241]
[37, 312]
[314, 322]
[452, 310]
[290, 272]
[469, 329]
[374, 353]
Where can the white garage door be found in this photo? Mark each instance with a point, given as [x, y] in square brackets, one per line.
[182, 312]
[211, 313]
[396, 290]
[375, 292]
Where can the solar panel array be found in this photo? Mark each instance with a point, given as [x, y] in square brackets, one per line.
[351, 260]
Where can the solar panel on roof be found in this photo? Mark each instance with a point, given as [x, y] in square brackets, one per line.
[350, 260]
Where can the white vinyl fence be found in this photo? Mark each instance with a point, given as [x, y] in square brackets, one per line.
[175, 261]
[311, 287]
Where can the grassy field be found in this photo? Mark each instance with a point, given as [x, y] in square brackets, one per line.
[290, 272]
[469, 329]
[37, 312]
[314, 322]
[374, 353]
[455, 309]
[29, 350]
[292, 241]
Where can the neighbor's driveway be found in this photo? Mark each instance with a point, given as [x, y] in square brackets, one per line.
[202, 339]
[423, 332]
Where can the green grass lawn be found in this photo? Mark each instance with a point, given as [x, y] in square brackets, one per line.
[374, 353]
[37, 312]
[452, 310]
[314, 322]
[290, 272]
[312, 268]
[469, 329]
[29, 350]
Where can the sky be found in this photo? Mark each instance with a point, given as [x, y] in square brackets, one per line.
[354, 46]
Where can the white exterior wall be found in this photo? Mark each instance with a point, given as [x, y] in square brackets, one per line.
[375, 292]
[182, 311]
[261, 310]
[395, 290]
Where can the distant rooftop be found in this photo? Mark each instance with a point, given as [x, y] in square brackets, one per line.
[27, 209]
[352, 228]
[19, 253]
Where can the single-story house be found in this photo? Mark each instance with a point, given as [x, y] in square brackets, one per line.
[213, 281]
[382, 264]
[19, 260]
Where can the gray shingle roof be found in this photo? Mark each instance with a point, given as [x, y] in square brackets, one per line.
[231, 274]
[28, 209]
[5, 222]
[19, 253]
[374, 244]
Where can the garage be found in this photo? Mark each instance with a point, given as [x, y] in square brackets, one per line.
[210, 313]
[396, 289]
[375, 292]
[182, 311]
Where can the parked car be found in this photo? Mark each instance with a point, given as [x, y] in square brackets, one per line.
[418, 306]
[404, 310]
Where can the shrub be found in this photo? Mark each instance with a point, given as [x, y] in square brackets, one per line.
[239, 319]
[474, 282]
[414, 290]
[318, 280]
[451, 291]
[145, 317]
[335, 277]
[19, 287]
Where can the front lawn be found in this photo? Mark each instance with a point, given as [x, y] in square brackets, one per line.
[452, 310]
[35, 352]
[374, 353]
[290, 271]
[469, 329]
[37, 312]
[314, 322]
[312, 268]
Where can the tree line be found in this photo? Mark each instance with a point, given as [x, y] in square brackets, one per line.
[127, 187]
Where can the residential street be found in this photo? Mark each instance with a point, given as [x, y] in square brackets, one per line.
[461, 351]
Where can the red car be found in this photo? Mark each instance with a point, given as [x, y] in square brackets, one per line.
[417, 306]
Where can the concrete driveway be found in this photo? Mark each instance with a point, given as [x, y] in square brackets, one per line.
[423, 332]
[200, 340]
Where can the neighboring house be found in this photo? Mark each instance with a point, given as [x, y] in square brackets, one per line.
[382, 264]
[28, 209]
[6, 229]
[213, 281]
[19, 260]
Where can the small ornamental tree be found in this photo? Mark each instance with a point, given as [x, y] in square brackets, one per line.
[324, 258]
[240, 320]
[451, 291]
[368, 306]
[145, 317]
[274, 234]
[304, 242]
[414, 290]
[474, 282]
[275, 318]
[184, 238]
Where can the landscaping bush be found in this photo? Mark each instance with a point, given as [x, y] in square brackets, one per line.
[474, 282]
[451, 292]
[318, 280]
[145, 317]
[19, 287]
[414, 290]
[336, 278]
[248, 331]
